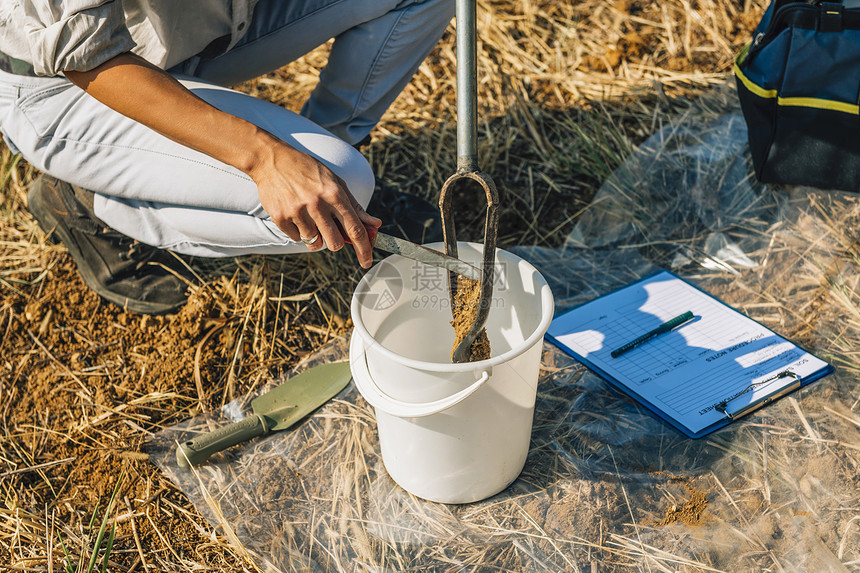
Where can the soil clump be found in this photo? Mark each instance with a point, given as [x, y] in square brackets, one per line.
[689, 512]
[465, 308]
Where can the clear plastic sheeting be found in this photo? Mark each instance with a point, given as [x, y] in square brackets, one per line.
[606, 486]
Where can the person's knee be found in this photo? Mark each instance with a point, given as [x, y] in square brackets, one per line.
[358, 176]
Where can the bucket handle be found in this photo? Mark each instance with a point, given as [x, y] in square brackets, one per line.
[379, 399]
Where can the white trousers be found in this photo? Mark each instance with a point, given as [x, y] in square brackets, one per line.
[167, 195]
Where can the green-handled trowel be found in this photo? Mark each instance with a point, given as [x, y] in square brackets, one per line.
[277, 409]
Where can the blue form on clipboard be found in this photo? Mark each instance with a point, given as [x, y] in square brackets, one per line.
[699, 376]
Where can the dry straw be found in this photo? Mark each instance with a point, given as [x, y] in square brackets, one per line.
[566, 90]
[606, 482]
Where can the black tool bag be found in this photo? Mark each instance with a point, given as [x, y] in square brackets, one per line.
[799, 88]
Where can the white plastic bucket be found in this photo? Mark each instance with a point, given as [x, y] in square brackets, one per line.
[451, 433]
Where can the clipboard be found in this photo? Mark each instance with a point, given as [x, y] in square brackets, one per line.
[698, 374]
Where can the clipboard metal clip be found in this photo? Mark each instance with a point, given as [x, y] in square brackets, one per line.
[762, 401]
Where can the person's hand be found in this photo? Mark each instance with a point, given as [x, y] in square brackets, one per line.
[305, 200]
[303, 197]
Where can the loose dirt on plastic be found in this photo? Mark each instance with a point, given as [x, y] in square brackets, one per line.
[86, 382]
[690, 512]
[465, 306]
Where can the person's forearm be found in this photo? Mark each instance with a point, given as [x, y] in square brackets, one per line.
[133, 87]
[303, 197]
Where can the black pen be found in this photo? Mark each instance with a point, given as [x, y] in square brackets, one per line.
[665, 327]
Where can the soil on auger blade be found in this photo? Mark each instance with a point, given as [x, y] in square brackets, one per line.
[465, 307]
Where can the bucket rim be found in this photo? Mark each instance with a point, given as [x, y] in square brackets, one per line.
[547, 309]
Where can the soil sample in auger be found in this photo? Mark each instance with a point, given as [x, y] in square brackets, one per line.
[465, 307]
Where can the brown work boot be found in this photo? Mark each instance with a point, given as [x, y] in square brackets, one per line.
[137, 277]
[406, 215]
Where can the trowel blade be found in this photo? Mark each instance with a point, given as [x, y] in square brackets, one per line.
[288, 403]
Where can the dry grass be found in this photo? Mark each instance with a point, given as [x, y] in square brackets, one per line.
[567, 90]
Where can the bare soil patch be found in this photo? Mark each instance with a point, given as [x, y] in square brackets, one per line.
[566, 90]
[690, 511]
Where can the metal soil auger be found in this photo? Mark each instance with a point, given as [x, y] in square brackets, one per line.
[467, 169]
[453, 432]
